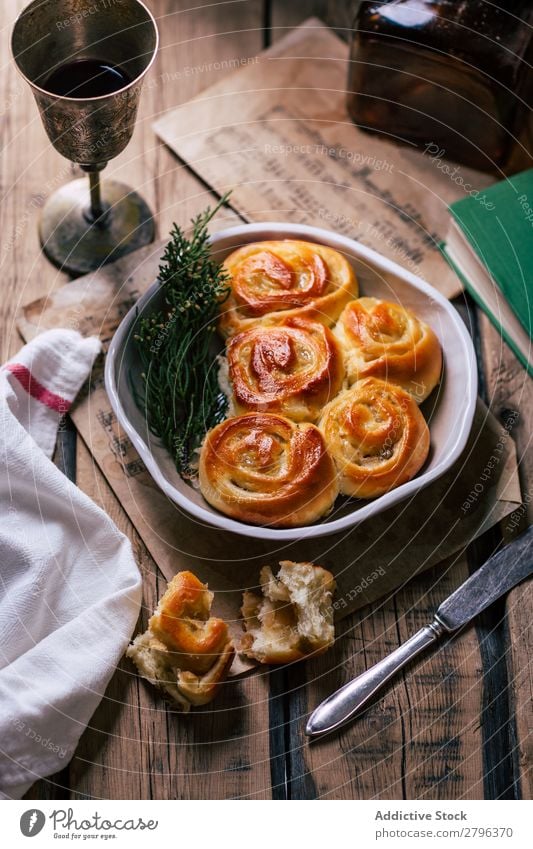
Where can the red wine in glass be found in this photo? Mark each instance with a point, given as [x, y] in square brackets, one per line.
[84, 78]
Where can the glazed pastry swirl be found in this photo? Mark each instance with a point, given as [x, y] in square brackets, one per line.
[185, 651]
[385, 340]
[377, 436]
[266, 470]
[293, 368]
[284, 278]
[183, 623]
[266, 283]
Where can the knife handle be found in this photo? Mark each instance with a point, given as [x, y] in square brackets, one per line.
[350, 699]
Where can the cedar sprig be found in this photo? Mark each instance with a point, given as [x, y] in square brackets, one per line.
[180, 395]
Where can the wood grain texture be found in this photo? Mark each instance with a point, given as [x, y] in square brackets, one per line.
[136, 747]
[30, 171]
[422, 740]
[510, 394]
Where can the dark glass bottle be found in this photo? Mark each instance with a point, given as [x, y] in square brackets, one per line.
[454, 74]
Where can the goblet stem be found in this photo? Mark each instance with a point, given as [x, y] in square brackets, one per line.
[81, 230]
[96, 197]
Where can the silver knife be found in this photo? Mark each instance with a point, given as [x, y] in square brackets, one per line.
[497, 576]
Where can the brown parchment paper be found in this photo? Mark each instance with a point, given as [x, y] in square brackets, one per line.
[369, 562]
[277, 133]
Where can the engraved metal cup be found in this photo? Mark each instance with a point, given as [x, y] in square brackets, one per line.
[84, 226]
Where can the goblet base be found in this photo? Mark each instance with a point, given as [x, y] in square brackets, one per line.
[75, 243]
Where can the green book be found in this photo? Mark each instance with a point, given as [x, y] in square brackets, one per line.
[490, 246]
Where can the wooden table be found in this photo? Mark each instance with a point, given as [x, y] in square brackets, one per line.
[458, 724]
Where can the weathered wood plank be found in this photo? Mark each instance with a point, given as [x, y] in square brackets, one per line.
[500, 780]
[145, 750]
[137, 747]
[410, 744]
[510, 392]
[30, 170]
[422, 739]
[200, 43]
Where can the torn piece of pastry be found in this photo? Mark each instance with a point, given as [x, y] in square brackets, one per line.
[293, 618]
[283, 279]
[185, 651]
[386, 340]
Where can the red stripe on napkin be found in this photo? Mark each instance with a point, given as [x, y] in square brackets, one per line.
[37, 390]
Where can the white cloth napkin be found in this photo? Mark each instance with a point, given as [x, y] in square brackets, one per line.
[70, 589]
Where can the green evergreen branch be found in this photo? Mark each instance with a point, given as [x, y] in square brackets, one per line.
[180, 396]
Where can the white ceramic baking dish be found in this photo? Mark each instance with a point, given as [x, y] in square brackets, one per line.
[449, 410]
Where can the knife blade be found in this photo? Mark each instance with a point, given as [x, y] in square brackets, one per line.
[501, 572]
[495, 578]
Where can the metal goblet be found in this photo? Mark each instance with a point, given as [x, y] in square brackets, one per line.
[85, 225]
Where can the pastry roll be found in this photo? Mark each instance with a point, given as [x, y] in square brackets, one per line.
[293, 368]
[185, 652]
[385, 340]
[266, 470]
[293, 616]
[286, 278]
[377, 436]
